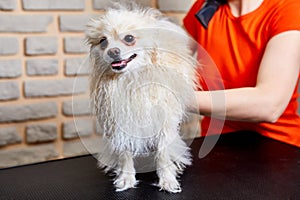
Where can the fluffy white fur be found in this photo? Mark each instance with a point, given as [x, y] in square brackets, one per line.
[139, 108]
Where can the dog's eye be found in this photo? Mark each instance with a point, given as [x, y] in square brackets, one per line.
[129, 39]
[103, 43]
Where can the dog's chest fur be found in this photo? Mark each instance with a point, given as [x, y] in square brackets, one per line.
[135, 110]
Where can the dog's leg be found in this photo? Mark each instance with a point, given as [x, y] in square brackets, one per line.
[166, 169]
[171, 158]
[167, 173]
[125, 173]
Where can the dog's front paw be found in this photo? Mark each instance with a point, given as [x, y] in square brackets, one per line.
[124, 182]
[169, 185]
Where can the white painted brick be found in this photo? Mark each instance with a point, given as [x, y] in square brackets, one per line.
[27, 155]
[24, 23]
[42, 67]
[46, 88]
[53, 4]
[175, 5]
[75, 45]
[25, 112]
[41, 133]
[146, 3]
[73, 23]
[41, 45]
[9, 135]
[175, 20]
[9, 46]
[10, 68]
[77, 66]
[79, 128]
[77, 107]
[9, 90]
[8, 4]
[104, 4]
[101, 4]
[83, 147]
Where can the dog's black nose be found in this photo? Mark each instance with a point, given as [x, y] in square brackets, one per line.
[114, 53]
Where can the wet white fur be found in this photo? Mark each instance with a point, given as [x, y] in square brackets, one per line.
[140, 108]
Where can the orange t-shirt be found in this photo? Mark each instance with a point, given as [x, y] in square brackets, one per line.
[236, 45]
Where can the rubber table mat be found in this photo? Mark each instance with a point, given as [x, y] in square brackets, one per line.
[242, 165]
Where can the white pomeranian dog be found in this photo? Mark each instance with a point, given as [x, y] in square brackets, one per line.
[142, 82]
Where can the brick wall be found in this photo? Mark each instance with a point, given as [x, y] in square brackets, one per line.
[41, 49]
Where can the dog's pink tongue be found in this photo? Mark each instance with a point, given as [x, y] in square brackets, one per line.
[119, 64]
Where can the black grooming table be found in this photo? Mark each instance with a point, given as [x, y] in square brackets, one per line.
[242, 165]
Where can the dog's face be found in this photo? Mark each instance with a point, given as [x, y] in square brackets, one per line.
[120, 51]
[125, 40]
[121, 42]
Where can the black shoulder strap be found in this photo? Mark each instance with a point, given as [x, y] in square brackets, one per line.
[207, 11]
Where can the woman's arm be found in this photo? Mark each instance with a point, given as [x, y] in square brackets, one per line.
[276, 81]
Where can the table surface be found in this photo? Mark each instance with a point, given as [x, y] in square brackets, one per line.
[242, 165]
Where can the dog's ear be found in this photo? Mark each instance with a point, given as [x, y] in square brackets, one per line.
[94, 31]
